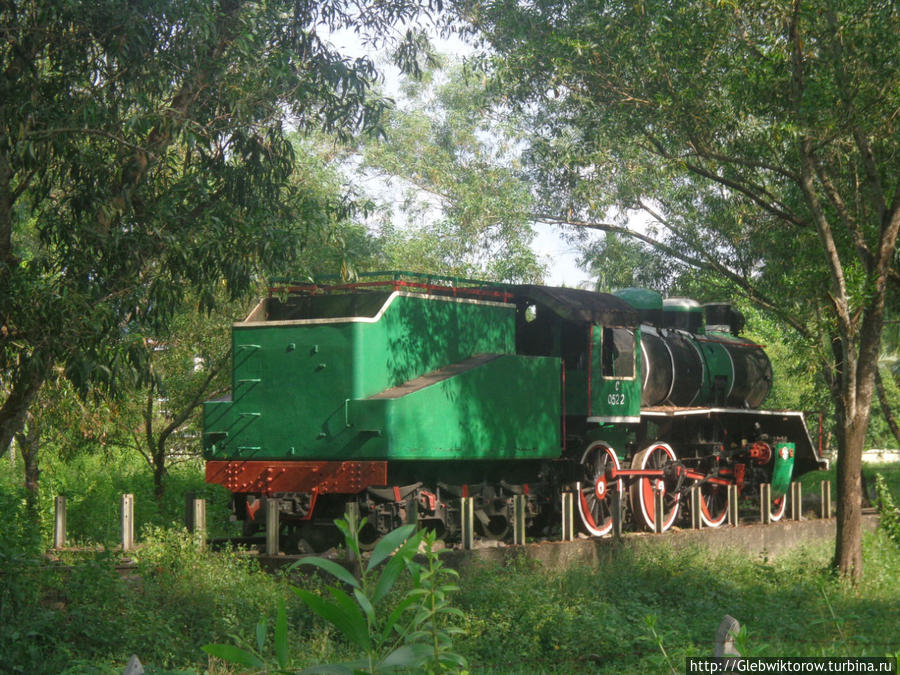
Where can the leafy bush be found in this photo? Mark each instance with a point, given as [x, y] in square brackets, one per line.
[888, 512]
[411, 633]
[22, 618]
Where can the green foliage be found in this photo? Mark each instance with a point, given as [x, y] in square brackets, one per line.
[650, 622]
[82, 615]
[20, 583]
[618, 262]
[144, 154]
[888, 511]
[752, 137]
[410, 634]
[521, 617]
[452, 161]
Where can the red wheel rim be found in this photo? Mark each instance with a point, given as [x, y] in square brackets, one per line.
[595, 493]
[713, 504]
[643, 498]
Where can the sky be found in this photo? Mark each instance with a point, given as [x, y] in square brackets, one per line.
[560, 256]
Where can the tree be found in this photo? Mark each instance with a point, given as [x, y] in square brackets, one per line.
[618, 262]
[889, 360]
[451, 164]
[144, 153]
[187, 364]
[762, 140]
[161, 420]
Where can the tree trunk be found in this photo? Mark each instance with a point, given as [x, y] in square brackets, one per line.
[159, 477]
[15, 408]
[29, 445]
[848, 542]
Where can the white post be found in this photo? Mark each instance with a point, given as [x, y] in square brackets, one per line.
[272, 525]
[127, 522]
[796, 501]
[765, 500]
[615, 501]
[825, 490]
[568, 514]
[468, 522]
[659, 515]
[519, 519]
[199, 521]
[59, 522]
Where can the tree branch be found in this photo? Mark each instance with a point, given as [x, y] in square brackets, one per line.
[755, 193]
[709, 264]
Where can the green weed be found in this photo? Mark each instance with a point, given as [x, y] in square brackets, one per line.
[413, 634]
[888, 512]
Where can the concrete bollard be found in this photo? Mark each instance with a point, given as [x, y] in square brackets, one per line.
[765, 501]
[659, 513]
[59, 522]
[618, 516]
[127, 522]
[825, 493]
[519, 519]
[273, 524]
[133, 667]
[796, 501]
[467, 515]
[199, 520]
[568, 514]
[725, 634]
[733, 514]
[696, 520]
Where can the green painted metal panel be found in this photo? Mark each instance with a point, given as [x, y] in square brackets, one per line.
[293, 379]
[615, 385]
[416, 335]
[641, 298]
[783, 469]
[718, 372]
[481, 413]
[576, 387]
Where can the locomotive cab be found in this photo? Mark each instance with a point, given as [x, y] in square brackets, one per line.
[597, 337]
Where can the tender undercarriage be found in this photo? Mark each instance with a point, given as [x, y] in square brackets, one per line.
[667, 454]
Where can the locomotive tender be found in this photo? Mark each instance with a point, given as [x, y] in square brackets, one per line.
[404, 392]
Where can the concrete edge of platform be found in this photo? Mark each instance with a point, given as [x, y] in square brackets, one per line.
[753, 539]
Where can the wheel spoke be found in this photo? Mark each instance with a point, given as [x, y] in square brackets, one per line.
[642, 492]
[595, 495]
[713, 504]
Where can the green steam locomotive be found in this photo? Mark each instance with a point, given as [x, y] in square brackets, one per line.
[402, 393]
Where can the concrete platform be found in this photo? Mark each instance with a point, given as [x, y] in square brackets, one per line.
[753, 539]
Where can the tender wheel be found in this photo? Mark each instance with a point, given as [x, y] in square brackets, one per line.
[713, 504]
[596, 490]
[368, 536]
[657, 456]
[494, 527]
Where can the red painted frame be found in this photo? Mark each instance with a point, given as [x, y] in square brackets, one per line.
[269, 477]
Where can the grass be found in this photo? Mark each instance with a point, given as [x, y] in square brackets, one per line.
[640, 613]
[525, 619]
[811, 481]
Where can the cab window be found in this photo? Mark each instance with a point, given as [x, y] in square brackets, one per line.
[617, 358]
